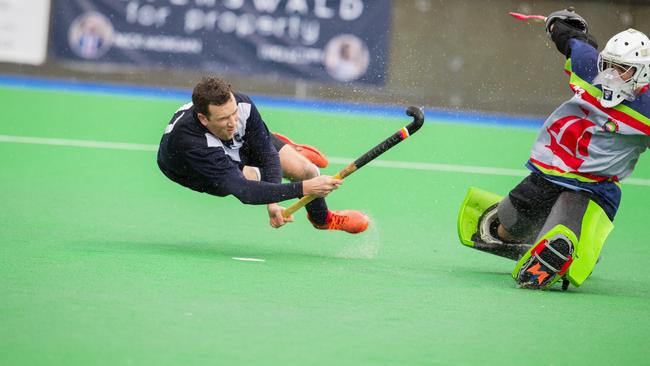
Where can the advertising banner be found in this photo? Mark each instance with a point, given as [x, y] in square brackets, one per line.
[323, 40]
[23, 31]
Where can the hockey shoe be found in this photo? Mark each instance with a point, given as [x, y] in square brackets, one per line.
[350, 221]
[548, 262]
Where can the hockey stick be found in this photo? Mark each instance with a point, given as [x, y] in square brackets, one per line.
[525, 18]
[382, 147]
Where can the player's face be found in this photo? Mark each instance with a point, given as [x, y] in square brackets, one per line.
[222, 120]
[625, 72]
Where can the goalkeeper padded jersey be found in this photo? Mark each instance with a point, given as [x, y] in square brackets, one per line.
[192, 156]
[585, 146]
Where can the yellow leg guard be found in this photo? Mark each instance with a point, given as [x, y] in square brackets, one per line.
[475, 203]
[560, 252]
[595, 229]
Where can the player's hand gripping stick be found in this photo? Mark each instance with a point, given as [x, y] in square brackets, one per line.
[397, 137]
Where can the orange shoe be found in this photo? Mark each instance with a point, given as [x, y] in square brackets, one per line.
[350, 221]
[310, 152]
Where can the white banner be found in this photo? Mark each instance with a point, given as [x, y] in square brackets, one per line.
[23, 31]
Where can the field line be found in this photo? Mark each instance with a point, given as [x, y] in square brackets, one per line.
[391, 164]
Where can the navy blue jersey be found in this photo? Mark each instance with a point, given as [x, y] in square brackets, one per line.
[192, 156]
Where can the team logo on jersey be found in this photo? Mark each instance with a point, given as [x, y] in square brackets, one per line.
[610, 126]
[235, 142]
[570, 139]
[90, 35]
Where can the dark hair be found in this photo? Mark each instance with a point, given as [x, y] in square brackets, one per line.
[210, 90]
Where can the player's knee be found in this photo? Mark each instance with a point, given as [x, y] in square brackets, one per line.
[296, 167]
[302, 170]
[310, 171]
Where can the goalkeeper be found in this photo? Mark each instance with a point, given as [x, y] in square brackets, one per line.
[555, 222]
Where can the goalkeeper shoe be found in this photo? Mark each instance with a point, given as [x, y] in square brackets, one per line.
[548, 262]
[349, 221]
[311, 153]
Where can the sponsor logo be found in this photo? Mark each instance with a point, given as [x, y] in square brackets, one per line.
[90, 35]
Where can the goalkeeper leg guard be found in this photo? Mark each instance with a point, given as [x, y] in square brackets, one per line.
[478, 222]
[569, 244]
[472, 210]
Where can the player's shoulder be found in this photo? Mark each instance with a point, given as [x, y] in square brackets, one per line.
[185, 107]
[183, 113]
[184, 121]
[247, 109]
[242, 98]
[186, 112]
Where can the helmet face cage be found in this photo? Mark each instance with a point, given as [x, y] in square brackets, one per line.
[629, 48]
[605, 63]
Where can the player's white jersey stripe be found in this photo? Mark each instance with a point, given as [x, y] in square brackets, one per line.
[170, 126]
[243, 112]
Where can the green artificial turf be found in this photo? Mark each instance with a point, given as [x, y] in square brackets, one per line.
[103, 261]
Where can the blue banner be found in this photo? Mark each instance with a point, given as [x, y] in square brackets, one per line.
[323, 40]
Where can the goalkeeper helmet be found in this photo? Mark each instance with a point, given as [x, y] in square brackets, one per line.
[623, 67]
